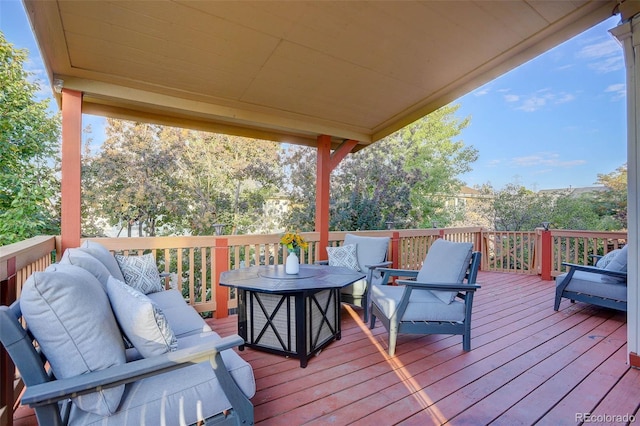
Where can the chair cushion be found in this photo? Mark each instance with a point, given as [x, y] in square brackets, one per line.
[619, 264]
[165, 398]
[607, 258]
[369, 250]
[423, 305]
[182, 318]
[140, 272]
[592, 284]
[446, 263]
[343, 256]
[101, 253]
[141, 320]
[69, 314]
[83, 259]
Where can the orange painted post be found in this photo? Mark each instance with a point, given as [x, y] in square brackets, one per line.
[71, 168]
[7, 369]
[545, 257]
[221, 263]
[395, 249]
[323, 175]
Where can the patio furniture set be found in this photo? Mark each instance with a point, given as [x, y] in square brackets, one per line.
[121, 348]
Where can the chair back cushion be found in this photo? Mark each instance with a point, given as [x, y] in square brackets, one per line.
[618, 264]
[69, 314]
[83, 259]
[446, 262]
[369, 250]
[101, 253]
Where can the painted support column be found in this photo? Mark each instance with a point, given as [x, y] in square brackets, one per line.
[327, 161]
[323, 175]
[71, 168]
[221, 262]
[628, 33]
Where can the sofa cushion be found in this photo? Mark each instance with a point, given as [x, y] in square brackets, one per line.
[195, 388]
[447, 262]
[101, 253]
[618, 264]
[84, 260]
[141, 320]
[592, 284]
[183, 319]
[369, 250]
[343, 256]
[69, 314]
[423, 305]
[140, 272]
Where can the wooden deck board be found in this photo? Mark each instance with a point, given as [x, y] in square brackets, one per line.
[528, 364]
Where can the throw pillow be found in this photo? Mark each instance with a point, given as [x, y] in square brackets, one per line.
[83, 259]
[140, 272]
[141, 320]
[619, 264]
[343, 256]
[68, 312]
[607, 258]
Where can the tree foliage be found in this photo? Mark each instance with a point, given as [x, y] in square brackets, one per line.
[177, 181]
[613, 202]
[403, 178]
[29, 137]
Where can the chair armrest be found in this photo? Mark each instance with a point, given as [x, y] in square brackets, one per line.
[398, 272]
[439, 286]
[61, 389]
[595, 270]
[378, 265]
[321, 262]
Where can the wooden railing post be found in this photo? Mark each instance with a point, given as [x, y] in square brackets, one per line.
[395, 249]
[221, 265]
[7, 369]
[546, 256]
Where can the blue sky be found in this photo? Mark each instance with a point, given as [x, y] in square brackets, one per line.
[557, 121]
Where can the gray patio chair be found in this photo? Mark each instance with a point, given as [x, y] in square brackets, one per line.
[604, 284]
[370, 254]
[437, 302]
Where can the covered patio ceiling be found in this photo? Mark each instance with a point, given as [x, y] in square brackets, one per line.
[291, 71]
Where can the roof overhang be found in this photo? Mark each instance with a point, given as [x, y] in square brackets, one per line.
[290, 71]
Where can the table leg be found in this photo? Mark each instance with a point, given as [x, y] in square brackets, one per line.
[242, 316]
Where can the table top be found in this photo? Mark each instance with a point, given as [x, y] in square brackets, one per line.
[274, 279]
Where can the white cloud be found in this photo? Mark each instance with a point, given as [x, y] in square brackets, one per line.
[540, 99]
[619, 91]
[545, 159]
[482, 92]
[603, 56]
[511, 98]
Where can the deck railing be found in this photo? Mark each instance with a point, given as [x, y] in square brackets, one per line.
[193, 264]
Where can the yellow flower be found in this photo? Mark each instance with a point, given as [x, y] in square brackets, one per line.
[293, 240]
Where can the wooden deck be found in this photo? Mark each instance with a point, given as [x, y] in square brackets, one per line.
[528, 365]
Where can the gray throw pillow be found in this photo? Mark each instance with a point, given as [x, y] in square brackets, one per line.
[140, 272]
[69, 314]
[619, 264]
[343, 256]
[77, 257]
[607, 258]
[141, 320]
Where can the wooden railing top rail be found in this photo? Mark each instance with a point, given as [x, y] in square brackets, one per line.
[25, 252]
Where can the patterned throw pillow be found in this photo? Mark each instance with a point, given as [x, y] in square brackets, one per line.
[343, 256]
[141, 320]
[140, 272]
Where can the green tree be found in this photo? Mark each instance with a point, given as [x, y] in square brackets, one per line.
[516, 208]
[403, 178]
[613, 202]
[29, 136]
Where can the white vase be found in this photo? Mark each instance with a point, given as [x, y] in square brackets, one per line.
[292, 265]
